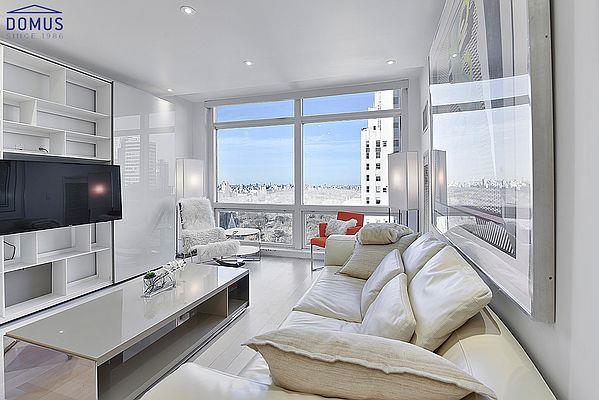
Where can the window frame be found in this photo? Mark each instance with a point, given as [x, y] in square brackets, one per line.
[298, 209]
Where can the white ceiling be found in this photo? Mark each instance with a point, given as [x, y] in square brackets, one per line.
[294, 44]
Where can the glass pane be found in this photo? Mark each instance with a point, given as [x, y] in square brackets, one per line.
[355, 102]
[249, 111]
[345, 162]
[311, 221]
[255, 165]
[276, 227]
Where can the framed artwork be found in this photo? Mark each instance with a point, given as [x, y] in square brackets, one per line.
[492, 144]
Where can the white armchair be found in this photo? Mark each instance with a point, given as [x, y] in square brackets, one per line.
[201, 237]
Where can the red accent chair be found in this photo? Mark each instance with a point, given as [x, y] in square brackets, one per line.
[321, 240]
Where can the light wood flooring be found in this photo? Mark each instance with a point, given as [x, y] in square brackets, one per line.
[276, 284]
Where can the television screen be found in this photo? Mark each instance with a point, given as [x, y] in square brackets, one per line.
[37, 195]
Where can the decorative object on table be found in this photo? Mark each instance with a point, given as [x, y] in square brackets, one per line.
[9, 255]
[163, 278]
[404, 187]
[43, 150]
[321, 239]
[492, 144]
[189, 183]
[247, 252]
[201, 237]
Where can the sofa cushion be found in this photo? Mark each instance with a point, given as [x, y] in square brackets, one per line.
[390, 267]
[419, 252]
[299, 319]
[390, 315]
[338, 227]
[382, 233]
[334, 296]
[355, 366]
[366, 258]
[444, 295]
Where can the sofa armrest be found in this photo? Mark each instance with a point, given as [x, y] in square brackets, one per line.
[338, 249]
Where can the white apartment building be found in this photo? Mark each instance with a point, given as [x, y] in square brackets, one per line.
[378, 140]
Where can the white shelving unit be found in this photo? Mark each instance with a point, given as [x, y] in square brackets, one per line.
[53, 112]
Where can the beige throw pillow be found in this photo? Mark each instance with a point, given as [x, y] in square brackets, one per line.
[391, 316]
[366, 258]
[390, 267]
[382, 233]
[338, 227]
[355, 366]
[445, 294]
[419, 252]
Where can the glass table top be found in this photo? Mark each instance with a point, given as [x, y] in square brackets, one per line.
[103, 327]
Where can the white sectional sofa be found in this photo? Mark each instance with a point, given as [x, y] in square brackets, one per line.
[483, 346]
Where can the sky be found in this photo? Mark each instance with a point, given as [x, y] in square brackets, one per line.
[265, 154]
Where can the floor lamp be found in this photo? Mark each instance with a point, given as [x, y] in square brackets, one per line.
[189, 183]
[404, 186]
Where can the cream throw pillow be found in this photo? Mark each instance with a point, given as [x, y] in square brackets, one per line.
[419, 252]
[366, 258]
[355, 366]
[445, 294]
[337, 227]
[391, 316]
[390, 267]
[382, 233]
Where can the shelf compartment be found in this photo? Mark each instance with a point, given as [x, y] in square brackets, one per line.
[85, 137]
[30, 62]
[53, 107]
[28, 129]
[86, 285]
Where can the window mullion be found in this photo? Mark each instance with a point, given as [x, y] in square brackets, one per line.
[298, 151]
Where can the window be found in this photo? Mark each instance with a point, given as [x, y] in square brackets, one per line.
[292, 188]
[276, 227]
[255, 165]
[250, 111]
[385, 189]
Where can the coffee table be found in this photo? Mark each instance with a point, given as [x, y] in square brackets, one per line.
[247, 252]
[122, 343]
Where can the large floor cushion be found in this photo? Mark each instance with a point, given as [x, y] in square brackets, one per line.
[334, 296]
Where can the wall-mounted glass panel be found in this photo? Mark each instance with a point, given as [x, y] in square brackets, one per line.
[251, 111]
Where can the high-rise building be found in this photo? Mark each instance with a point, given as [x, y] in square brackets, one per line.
[378, 140]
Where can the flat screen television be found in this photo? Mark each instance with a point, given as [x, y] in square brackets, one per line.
[37, 195]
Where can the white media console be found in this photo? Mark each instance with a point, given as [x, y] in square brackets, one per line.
[52, 111]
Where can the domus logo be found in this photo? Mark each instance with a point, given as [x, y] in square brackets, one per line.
[34, 21]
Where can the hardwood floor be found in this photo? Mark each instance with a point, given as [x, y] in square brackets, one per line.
[276, 284]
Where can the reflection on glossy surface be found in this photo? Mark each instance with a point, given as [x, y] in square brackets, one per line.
[98, 327]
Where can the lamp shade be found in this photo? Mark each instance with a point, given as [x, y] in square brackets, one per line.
[403, 180]
[190, 178]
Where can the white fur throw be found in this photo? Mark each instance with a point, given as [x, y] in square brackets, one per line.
[196, 213]
[382, 233]
[337, 227]
[192, 237]
[206, 252]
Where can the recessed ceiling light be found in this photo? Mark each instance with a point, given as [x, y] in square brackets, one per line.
[454, 55]
[248, 63]
[391, 62]
[169, 90]
[188, 10]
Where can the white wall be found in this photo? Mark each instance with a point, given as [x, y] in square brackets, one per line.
[567, 352]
